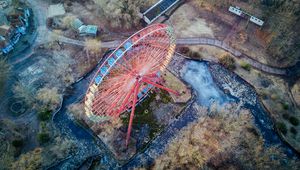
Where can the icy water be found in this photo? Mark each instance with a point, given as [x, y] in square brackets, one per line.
[198, 76]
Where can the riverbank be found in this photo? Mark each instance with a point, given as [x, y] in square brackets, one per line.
[262, 119]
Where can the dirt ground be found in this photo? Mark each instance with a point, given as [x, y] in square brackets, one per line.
[172, 82]
[148, 120]
[187, 23]
[87, 12]
[191, 20]
[276, 95]
[278, 100]
[296, 92]
[226, 140]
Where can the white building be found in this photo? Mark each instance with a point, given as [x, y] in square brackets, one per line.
[239, 12]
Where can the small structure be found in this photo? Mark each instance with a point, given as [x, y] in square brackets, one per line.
[256, 21]
[3, 4]
[158, 9]
[239, 12]
[76, 23]
[56, 10]
[2, 42]
[235, 10]
[88, 30]
[13, 32]
[3, 19]
[5, 30]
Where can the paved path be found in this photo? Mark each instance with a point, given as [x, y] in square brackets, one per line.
[216, 43]
[46, 35]
[197, 41]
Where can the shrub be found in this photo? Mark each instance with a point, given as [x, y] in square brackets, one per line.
[45, 115]
[146, 111]
[196, 55]
[92, 46]
[274, 97]
[286, 116]
[48, 97]
[43, 137]
[293, 131]
[184, 50]
[17, 143]
[4, 72]
[227, 61]
[294, 121]
[245, 66]
[282, 127]
[285, 106]
[264, 95]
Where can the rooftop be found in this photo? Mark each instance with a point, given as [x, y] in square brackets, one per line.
[88, 30]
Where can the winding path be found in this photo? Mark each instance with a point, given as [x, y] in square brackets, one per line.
[220, 44]
[40, 8]
[198, 41]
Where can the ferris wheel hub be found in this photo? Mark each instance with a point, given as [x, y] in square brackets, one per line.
[129, 73]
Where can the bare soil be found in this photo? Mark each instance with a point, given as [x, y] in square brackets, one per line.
[192, 20]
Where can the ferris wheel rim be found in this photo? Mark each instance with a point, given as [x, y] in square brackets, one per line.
[159, 28]
[123, 42]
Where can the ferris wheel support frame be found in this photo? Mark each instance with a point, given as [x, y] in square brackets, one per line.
[138, 82]
[133, 97]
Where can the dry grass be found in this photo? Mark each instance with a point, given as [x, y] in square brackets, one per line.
[188, 24]
[225, 138]
[174, 83]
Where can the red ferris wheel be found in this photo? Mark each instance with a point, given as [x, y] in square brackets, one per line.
[129, 73]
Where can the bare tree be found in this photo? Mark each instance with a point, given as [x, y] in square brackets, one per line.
[121, 12]
[48, 97]
[68, 20]
[4, 72]
[92, 46]
[24, 92]
[30, 160]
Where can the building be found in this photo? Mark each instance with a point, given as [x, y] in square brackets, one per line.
[235, 10]
[13, 32]
[56, 10]
[3, 19]
[76, 23]
[5, 30]
[3, 4]
[239, 12]
[88, 30]
[2, 42]
[256, 21]
[158, 9]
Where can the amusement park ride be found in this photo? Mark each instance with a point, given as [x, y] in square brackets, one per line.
[129, 73]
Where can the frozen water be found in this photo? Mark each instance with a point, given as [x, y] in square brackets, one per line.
[198, 76]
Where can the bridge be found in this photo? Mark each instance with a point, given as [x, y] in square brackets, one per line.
[158, 9]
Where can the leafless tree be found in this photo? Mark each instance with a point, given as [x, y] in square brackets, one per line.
[121, 12]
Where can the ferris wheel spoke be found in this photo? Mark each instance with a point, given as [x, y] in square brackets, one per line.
[136, 88]
[122, 66]
[125, 102]
[130, 74]
[115, 104]
[159, 86]
[107, 95]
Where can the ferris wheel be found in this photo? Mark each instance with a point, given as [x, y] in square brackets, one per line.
[129, 73]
